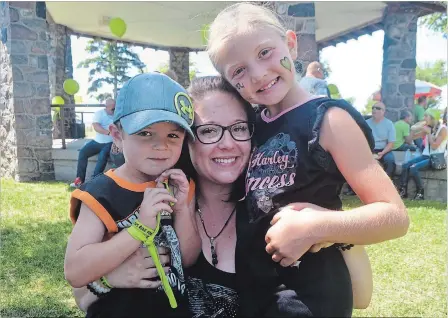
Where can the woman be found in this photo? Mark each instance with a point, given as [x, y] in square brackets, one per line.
[436, 142]
[217, 165]
[220, 159]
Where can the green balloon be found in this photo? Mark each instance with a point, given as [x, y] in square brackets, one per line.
[333, 89]
[204, 33]
[71, 86]
[57, 100]
[117, 26]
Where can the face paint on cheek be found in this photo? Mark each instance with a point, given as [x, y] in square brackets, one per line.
[286, 63]
[239, 86]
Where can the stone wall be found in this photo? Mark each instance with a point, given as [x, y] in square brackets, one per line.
[25, 110]
[399, 51]
[8, 147]
[180, 64]
[300, 17]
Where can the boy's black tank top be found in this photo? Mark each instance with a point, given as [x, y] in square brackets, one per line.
[117, 203]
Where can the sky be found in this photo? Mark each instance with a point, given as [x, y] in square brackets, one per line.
[355, 66]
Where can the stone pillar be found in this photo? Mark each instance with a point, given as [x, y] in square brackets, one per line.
[399, 49]
[300, 17]
[25, 131]
[60, 68]
[180, 64]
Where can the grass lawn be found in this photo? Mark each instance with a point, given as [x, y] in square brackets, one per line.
[409, 273]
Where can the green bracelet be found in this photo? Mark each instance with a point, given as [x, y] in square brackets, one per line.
[105, 282]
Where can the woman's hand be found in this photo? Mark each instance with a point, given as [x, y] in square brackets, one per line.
[138, 270]
[179, 186]
[294, 231]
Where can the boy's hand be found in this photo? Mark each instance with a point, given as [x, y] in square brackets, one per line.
[154, 201]
[179, 186]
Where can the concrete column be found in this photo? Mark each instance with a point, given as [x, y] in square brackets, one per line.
[180, 64]
[25, 130]
[399, 51]
[60, 67]
[300, 17]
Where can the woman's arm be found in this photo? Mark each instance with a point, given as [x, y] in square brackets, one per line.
[137, 271]
[436, 141]
[358, 265]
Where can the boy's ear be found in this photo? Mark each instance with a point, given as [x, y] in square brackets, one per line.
[117, 135]
[291, 41]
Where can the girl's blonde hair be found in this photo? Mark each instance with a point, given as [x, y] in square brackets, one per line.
[239, 18]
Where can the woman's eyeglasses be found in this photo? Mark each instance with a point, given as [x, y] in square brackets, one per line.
[212, 133]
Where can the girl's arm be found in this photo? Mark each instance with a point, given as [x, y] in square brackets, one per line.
[383, 217]
[358, 265]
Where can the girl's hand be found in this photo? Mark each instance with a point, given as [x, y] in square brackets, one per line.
[293, 233]
[179, 186]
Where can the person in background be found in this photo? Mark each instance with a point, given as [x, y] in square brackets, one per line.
[100, 145]
[436, 134]
[419, 114]
[403, 136]
[384, 134]
[313, 81]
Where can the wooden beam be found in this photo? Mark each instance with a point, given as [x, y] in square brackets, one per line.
[141, 44]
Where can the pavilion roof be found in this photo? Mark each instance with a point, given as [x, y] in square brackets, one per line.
[175, 24]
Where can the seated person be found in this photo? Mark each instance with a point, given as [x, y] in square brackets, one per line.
[384, 134]
[419, 121]
[101, 144]
[403, 136]
[116, 156]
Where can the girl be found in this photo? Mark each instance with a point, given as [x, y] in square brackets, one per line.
[305, 148]
[436, 141]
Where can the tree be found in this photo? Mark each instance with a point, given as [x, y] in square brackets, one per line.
[162, 68]
[326, 68]
[368, 108]
[109, 63]
[435, 73]
[437, 22]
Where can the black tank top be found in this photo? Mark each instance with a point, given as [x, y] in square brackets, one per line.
[289, 165]
[211, 291]
[117, 203]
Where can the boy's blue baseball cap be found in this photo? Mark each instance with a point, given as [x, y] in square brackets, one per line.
[152, 98]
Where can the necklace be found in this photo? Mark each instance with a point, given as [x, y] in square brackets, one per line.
[213, 238]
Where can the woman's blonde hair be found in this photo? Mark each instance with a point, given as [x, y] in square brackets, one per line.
[239, 18]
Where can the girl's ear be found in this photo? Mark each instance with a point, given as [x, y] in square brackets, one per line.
[291, 41]
[117, 135]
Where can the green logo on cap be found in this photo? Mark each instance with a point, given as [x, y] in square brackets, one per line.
[184, 107]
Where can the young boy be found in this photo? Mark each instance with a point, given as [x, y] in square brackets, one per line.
[115, 212]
